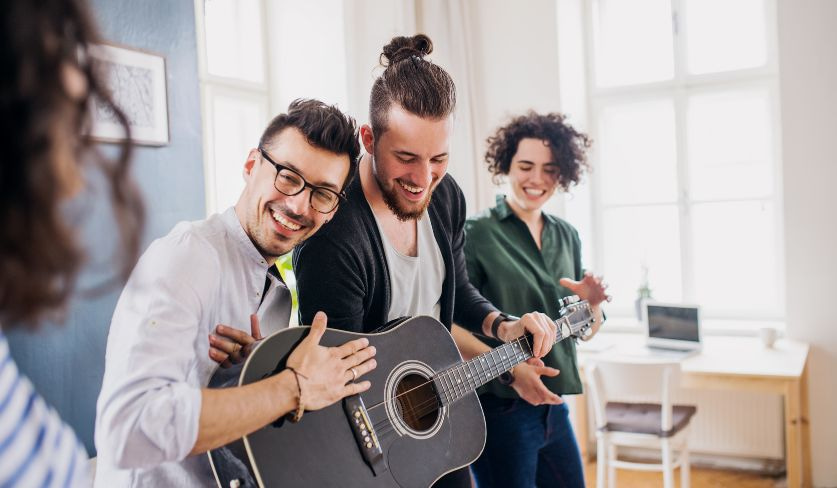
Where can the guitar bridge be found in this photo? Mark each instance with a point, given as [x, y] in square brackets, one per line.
[362, 428]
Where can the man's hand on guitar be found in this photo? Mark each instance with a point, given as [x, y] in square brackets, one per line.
[329, 373]
[230, 346]
[530, 387]
[542, 328]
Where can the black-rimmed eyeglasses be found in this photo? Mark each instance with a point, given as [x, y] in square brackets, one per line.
[289, 182]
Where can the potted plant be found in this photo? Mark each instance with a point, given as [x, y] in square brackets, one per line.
[643, 292]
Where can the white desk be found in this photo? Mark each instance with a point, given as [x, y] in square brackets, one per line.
[736, 363]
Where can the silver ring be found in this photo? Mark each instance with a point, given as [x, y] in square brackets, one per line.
[354, 373]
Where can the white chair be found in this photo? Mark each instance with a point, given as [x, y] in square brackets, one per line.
[657, 424]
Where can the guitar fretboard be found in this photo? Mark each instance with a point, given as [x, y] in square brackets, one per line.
[462, 379]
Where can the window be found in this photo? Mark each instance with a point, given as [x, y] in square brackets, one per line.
[234, 92]
[683, 110]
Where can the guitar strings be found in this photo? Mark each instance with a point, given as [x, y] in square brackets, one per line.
[558, 339]
[433, 403]
[421, 409]
[458, 366]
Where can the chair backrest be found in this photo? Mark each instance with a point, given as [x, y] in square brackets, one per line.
[622, 380]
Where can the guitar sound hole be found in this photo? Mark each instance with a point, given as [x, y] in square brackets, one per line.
[416, 402]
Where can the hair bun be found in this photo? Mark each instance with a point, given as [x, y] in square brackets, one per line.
[400, 48]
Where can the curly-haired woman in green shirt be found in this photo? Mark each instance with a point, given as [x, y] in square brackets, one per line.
[523, 259]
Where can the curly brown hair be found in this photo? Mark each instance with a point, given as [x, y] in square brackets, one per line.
[568, 146]
[42, 120]
[414, 83]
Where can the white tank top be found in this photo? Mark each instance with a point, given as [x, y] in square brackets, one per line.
[415, 282]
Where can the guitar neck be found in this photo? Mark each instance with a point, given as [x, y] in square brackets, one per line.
[462, 379]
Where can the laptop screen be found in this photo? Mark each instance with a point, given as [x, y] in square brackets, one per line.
[673, 322]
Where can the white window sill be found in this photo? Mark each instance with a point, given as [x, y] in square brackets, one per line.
[709, 327]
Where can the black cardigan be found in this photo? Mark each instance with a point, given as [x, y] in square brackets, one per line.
[342, 270]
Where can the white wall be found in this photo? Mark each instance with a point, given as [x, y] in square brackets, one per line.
[511, 78]
[369, 25]
[306, 36]
[808, 79]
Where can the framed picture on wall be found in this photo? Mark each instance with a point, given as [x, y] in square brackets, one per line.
[137, 82]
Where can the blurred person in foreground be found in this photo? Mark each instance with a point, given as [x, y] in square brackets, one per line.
[46, 85]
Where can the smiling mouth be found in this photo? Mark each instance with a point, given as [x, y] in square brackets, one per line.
[533, 192]
[409, 188]
[278, 217]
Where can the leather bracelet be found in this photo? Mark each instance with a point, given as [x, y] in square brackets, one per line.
[300, 408]
[503, 317]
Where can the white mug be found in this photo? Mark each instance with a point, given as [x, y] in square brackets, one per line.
[768, 336]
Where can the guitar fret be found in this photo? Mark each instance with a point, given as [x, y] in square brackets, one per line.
[469, 381]
[454, 386]
[494, 372]
[472, 376]
[448, 387]
[458, 375]
[451, 388]
[503, 355]
[531, 351]
[511, 357]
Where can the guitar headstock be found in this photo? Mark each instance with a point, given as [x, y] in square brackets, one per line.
[575, 317]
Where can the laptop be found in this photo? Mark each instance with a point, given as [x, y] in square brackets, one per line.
[672, 331]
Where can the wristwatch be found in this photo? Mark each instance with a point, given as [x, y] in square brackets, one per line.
[506, 378]
[503, 317]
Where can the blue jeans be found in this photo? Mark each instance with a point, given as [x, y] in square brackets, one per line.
[527, 446]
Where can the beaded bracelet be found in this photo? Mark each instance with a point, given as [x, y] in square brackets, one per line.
[300, 408]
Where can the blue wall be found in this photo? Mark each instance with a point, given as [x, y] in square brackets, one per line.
[66, 363]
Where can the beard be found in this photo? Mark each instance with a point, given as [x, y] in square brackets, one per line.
[402, 212]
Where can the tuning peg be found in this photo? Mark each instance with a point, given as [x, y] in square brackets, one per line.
[563, 302]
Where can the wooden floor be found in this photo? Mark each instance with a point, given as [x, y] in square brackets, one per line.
[701, 478]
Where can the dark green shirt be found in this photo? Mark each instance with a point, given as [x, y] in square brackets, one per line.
[506, 266]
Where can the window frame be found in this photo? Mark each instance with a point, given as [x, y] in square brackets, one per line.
[678, 89]
[213, 85]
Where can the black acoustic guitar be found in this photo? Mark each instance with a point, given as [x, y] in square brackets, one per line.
[420, 419]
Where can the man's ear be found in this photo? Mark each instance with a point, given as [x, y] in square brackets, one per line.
[250, 163]
[367, 138]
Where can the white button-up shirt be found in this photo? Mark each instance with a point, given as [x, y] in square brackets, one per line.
[200, 275]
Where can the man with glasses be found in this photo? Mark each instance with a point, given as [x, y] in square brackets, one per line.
[155, 416]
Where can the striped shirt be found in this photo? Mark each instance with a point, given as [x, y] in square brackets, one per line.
[36, 447]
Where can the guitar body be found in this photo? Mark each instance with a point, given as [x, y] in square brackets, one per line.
[420, 439]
